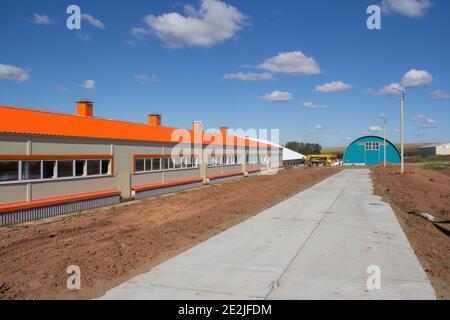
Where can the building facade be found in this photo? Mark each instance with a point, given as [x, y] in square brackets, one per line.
[439, 149]
[53, 163]
[369, 151]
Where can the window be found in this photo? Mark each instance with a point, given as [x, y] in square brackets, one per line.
[253, 159]
[9, 170]
[215, 161]
[79, 167]
[105, 166]
[156, 164]
[93, 167]
[165, 164]
[148, 165]
[188, 162]
[177, 163]
[28, 170]
[172, 163]
[31, 170]
[48, 169]
[139, 165]
[65, 168]
[369, 145]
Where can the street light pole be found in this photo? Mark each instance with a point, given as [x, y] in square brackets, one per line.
[402, 102]
[382, 116]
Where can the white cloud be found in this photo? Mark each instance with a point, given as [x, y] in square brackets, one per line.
[293, 63]
[248, 76]
[416, 78]
[387, 90]
[42, 19]
[375, 129]
[8, 72]
[411, 79]
[318, 126]
[214, 22]
[61, 88]
[278, 96]
[431, 121]
[333, 86]
[409, 8]
[139, 32]
[88, 84]
[143, 78]
[439, 94]
[418, 117]
[429, 124]
[396, 130]
[348, 139]
[93, 21]
[310, 105]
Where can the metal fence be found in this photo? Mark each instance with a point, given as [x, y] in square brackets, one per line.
[9, 218]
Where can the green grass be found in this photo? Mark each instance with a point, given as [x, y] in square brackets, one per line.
[443, 264]
[439, 166]
[428, 159]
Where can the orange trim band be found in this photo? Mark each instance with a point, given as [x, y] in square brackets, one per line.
[58, 200]
[165, 185]
[230, 174]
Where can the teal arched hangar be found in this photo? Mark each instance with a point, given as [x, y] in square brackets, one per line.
[369, 151]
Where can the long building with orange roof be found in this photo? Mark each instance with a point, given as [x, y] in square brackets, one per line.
[54, 163]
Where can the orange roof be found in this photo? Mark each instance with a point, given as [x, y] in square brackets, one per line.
[36, 122]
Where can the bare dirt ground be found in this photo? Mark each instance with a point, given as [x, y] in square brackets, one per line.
[114, 244]
[423, 191]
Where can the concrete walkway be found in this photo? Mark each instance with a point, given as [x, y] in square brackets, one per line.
[316, 245]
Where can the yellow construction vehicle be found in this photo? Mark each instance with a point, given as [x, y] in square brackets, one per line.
[320, 160]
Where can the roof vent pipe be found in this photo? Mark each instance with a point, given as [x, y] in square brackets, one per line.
[85, 108]
[196, 126]
[223, 131]
[154, 119]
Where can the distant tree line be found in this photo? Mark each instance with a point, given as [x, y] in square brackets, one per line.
[304, 148]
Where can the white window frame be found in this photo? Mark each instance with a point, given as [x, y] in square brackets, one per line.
[172, 164]
[55, 171]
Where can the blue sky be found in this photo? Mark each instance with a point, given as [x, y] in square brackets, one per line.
[199, 60]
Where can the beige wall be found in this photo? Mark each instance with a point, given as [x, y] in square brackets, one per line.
[17, 192]
[181, 174]
[214, 171]
[50, 189]
[11, 193]
[70, 148]
[228, 169]
[146, 178]
[443, 150]
[10, 146]
[17, 144]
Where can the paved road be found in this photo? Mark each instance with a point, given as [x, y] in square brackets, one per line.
[316, 245]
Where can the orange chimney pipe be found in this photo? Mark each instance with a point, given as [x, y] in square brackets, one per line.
[154, 119]
[85, 108]
[223, 131]
[196, 126]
